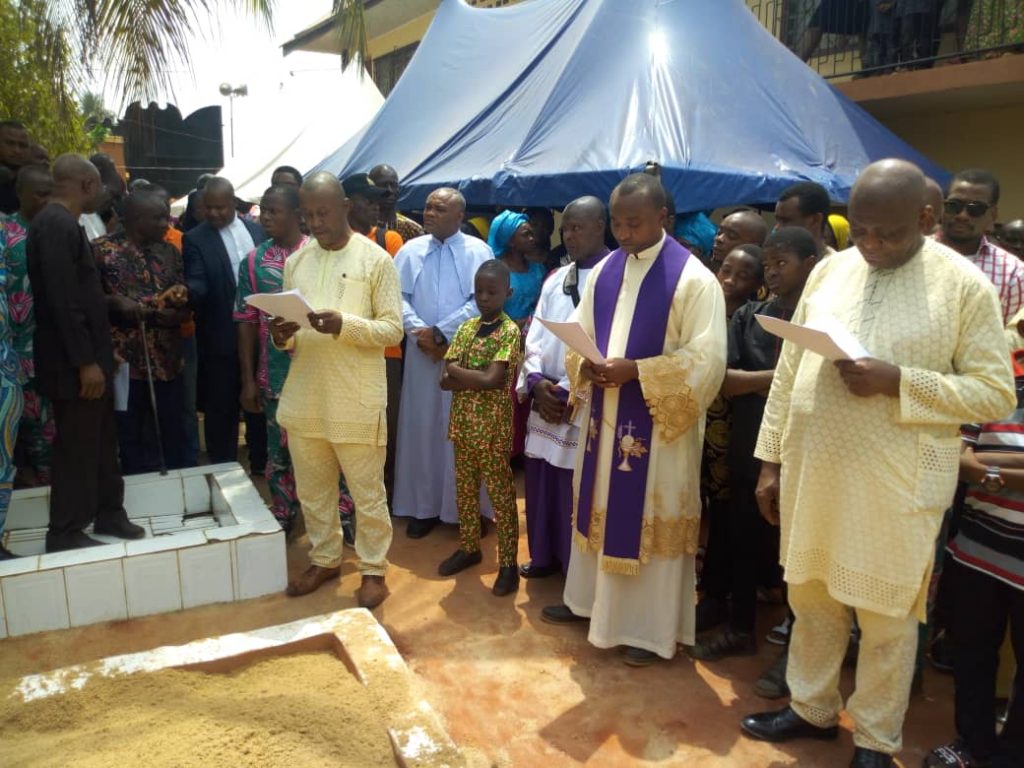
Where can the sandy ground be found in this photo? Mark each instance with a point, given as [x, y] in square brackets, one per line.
[513, 690]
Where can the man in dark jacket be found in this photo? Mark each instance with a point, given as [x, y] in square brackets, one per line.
[75, 363]
[212, 252]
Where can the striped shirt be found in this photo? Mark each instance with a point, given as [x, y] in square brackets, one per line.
[990, 538]
[1006, 273]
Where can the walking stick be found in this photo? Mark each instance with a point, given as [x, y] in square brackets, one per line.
[152, 396]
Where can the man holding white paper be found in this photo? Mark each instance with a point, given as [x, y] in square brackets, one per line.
[658, 315]
[551, 438]
[335, 397]
[860, 457]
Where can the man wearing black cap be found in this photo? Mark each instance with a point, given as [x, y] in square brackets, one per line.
[363, 214]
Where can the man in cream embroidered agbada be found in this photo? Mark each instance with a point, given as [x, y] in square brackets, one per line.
[860, 457]
[658, 316]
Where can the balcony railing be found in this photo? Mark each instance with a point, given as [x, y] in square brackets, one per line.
[841, 38]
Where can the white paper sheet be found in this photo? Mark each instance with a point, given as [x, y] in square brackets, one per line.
[575, 338]
[827, 338]
[122, 382]
[289, 305]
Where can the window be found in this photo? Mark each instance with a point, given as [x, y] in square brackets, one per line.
[387, 69]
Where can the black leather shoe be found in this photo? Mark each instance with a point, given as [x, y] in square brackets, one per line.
[120, 526]
[723, 644]
[73, 540]
[784, 725]
[560, 614]
[869, 758]
[460, 561]
[531, 571]
[6, 554]
[417, 529]
[507, 581]
[638, 657]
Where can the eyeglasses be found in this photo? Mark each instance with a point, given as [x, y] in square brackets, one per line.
[975, 208]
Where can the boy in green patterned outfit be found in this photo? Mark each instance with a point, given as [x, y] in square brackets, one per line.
[482, 362]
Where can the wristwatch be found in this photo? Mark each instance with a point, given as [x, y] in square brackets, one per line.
[439, 338]
[993, 480]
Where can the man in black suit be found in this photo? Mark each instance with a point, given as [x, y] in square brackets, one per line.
[212, 251]
[74, 362]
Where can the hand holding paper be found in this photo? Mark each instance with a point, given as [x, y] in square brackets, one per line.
[574, 337]
[826, 337]
[288, 305]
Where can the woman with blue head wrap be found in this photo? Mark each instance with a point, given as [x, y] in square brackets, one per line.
[697, 232]
[511, 240]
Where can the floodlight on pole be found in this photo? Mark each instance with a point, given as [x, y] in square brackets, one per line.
[226, 89]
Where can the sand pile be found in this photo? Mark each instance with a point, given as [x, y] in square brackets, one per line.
[300, 710]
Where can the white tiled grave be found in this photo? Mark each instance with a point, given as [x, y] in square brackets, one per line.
[209, 539]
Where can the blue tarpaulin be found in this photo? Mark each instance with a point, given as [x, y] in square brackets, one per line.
[547, 100]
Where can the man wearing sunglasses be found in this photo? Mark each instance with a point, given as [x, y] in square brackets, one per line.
[968, 215]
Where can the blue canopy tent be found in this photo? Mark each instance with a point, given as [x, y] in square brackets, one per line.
[547, 100]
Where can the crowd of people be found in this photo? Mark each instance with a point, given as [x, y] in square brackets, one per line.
[906, 34]
[666, 478]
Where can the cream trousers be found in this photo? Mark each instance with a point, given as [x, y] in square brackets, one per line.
[885, 666]
[317, 464]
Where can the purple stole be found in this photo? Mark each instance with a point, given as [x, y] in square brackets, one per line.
[627, 486]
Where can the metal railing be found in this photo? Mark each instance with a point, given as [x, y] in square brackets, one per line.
[860, 38]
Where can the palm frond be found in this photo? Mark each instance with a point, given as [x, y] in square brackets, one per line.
[350, 28]
[136, 43]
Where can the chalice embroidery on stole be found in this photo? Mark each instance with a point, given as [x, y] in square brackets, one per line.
[629, 446]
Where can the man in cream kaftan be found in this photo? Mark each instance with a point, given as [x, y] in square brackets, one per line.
[648, 603]
[335, 397]
[867, 474]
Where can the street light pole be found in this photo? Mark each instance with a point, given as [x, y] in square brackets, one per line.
[226, 89]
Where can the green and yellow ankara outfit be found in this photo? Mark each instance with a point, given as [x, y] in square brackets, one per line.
[480, 427]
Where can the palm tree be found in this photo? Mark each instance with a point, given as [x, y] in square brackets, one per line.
[94, 111]
[137, 44]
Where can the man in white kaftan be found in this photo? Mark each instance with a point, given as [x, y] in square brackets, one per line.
[436, 272]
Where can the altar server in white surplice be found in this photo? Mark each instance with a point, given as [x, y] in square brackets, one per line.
[551, 438]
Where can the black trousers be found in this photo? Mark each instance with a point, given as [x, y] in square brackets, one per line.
[982, 608]
[715, 581]
[918, 38]
[751, 541]
[87, 481]
[136, 427]
[256, 440]
[221, 382]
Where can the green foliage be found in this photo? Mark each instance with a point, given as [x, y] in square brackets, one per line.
[136, 43]
[351, 32]
[37, 77]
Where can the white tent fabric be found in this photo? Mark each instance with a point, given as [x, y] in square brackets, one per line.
[295, 119]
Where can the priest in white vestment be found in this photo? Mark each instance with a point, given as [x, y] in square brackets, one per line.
[657, 315]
